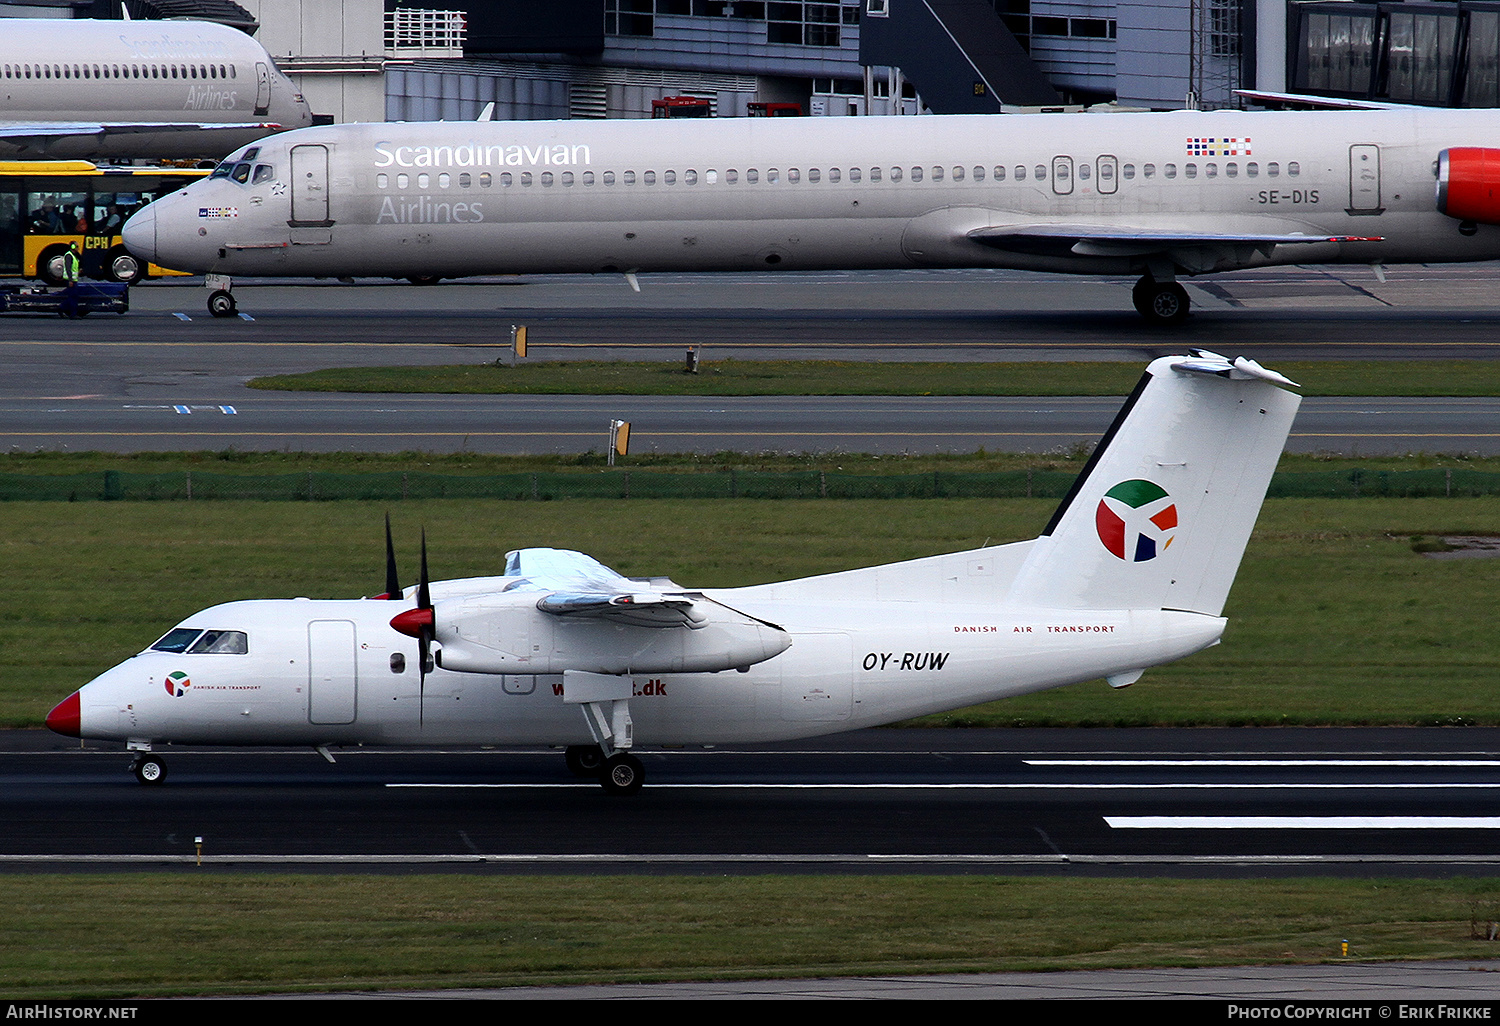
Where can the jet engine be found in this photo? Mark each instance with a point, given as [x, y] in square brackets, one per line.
[1468, 184]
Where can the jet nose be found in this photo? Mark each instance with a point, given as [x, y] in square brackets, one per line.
[139, 233]
[65, 719]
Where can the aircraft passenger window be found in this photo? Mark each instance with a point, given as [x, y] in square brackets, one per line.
[752, 176]
[1273, 169]
[710, 177]
[1231, 170]
[444, 180]
[669, 177]
[567, 178]
[547, 178]
[999, 172]
[232, 73]
[814, 175]
[793, 175]
[525, 177]
[855, 174]
[916, 174]
[176, 640]
[835, 175]
[690, 177]
[221, 643]
[937, 174]
[1020, 172]
[648, 177]
[629, 178]
[398, 662]
[978, 173]
[402, 181]
[874, 174]
[1170, 171]
[424, 180]
[1041, 172]
[958, 173]
[1149, 170]
[241, 173]
[1293, 168]
[1211, 170]
[1083, 172]
[772, 176]
[1128, 171]
[382, 181]
[465, 180]
[1252, 169]
[263, 173]
[608, 178]
[895, 174]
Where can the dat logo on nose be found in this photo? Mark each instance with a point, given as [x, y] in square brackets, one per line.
[1136, 520]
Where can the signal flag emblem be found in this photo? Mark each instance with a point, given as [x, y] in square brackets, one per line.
[1136, 520]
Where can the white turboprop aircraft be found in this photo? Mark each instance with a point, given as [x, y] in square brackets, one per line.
[126, 89]
[1132, 572]
[1155, 195]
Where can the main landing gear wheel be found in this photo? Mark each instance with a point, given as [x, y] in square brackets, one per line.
[1161, 302]
[221, 304]
[584, 760]
[149, 769]
[623, 774]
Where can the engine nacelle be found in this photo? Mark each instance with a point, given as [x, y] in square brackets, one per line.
[506, 633]
[1468, 185]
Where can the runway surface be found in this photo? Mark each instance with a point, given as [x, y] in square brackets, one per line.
[168, 377]
[1128, 802]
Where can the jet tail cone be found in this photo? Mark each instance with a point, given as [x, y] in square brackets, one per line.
[66, 719]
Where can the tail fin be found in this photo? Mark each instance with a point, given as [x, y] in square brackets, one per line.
[1160, 515]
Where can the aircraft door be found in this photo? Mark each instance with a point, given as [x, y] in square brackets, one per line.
[332, 671]
[1108, 178]
[1062, 175]
[262, 88]
[310, 187]
[1364, 180]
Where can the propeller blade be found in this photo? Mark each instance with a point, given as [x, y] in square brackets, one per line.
[425, 632]
[392, 581]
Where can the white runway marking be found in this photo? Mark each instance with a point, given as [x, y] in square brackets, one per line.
[1349, 763]
[1303, 822]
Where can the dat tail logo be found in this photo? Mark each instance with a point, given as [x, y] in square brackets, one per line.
[1136, 520]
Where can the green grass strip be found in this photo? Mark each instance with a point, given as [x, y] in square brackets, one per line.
[140, 935]
[841, 377]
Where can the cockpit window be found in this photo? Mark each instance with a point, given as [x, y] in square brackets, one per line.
[241, 172]
[251, 153]
[221, 643]
[263, 173]
[222, 171]
[176, 640]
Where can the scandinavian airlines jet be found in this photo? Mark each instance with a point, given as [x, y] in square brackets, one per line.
[1132, 572]
[1154, 195]
[137, 89]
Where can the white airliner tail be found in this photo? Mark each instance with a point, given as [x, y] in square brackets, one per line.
[1161, 514]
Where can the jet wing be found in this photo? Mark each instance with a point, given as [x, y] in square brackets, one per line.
[41, 133]
[1123, 240]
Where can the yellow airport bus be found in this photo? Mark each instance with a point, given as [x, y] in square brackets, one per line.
[47, 204]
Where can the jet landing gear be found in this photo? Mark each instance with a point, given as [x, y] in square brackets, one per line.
[620, 773]
[1160, 302]
[149, 769]
[221, 299]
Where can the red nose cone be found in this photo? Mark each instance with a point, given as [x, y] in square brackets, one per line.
[65, 719]
[412, 621]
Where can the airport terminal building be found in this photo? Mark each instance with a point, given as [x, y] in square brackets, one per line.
[366, 60]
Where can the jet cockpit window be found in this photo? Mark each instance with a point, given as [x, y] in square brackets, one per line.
[222, 171]
[177, 639]
[241, 172]
[263, 173]
[221, 643]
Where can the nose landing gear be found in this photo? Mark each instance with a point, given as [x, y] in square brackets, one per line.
[221, 299]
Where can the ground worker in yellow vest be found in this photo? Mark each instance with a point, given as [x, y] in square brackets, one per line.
[70, 264]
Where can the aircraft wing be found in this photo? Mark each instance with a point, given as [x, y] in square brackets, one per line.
[577, 585]
[1302, 101]
[40, 133]
[640, 609]
[1122, 240]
